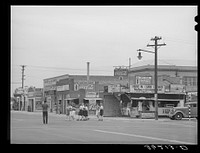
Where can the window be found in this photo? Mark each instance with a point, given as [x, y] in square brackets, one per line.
[190, 81]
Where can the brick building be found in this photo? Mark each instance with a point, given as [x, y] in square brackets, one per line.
[174, 85]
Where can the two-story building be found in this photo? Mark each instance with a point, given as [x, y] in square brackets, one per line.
[174, 84]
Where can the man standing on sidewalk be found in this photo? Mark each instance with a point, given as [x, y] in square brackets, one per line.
[45, 112]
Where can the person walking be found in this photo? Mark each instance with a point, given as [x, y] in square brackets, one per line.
[97, 110]
[80, 113]
[101, 112]
[67, 112]
[45, 112]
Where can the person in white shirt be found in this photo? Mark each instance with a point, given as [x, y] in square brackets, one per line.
[101, 112]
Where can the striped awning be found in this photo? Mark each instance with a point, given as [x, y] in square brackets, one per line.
[70, 98]
[93, 98]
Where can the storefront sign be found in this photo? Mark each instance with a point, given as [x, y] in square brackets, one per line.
[84, 85]
[91, 94]
[143, 80]
[120, 72]
[114, 88]
[146, 89]
[176, 88]
[63, 88]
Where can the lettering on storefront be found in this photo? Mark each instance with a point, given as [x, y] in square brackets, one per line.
[120, 72]
[144, 80]
[146, 88]
[63, 88]
[91, 94]
[84, 85]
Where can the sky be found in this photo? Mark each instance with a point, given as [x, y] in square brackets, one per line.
[59, 40]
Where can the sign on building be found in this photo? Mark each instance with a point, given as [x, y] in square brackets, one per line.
[120, 72]
[84, 85]
[146, 88]
[114, 88]
[63, 87]
[144, 80]
[176, 88]
[91, 95]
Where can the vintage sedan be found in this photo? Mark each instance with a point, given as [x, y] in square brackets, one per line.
[178, 113]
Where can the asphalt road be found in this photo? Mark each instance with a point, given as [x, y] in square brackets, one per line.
[27, 127]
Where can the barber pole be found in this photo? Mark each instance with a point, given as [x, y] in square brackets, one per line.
[189, 111]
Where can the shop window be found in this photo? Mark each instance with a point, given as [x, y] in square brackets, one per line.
[190, 81]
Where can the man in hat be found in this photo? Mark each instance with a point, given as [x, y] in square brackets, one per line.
[45, 112]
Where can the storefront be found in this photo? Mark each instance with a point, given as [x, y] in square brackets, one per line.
[143, 104]
[35, 98]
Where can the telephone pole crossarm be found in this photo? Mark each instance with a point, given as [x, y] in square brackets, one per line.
[148, 51]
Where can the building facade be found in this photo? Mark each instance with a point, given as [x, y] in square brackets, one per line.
[173, 81]
[61, 90]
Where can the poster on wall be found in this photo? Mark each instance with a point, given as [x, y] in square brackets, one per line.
[143, 80]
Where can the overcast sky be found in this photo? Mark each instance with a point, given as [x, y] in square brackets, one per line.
[53, 41]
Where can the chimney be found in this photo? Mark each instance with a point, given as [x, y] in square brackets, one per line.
[88, 70]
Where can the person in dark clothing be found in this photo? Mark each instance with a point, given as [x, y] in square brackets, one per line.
[45, 112]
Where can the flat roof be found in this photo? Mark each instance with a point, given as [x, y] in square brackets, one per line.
[164, 68]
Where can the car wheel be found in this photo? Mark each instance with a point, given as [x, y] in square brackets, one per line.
[178, 116]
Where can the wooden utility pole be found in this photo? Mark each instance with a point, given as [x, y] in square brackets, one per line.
[155, 77]
[23, 66]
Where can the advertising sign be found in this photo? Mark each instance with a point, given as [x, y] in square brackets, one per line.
[84, 85]
[146, 88]
[120, 72]
[91, 95]
[114, 88]
[144, 80]
[63, 88]
[176, 88]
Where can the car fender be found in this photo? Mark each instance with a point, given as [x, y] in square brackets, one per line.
[178, 111]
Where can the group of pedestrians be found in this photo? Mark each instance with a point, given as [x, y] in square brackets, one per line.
[71, 112]
[83, 112]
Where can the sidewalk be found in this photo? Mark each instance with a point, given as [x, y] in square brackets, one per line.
[93, 117]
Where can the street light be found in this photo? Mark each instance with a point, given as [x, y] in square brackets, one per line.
[155, 76]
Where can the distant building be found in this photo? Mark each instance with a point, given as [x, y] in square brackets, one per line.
[61, 90]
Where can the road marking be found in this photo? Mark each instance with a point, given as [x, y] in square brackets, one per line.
[146, 137]
[15, 119]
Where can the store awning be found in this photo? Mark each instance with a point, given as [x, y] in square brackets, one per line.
[70, 98]
[93, 98]
[154, 99]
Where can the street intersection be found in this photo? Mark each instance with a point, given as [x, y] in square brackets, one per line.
[27, 127]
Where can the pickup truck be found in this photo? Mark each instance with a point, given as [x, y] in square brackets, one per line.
[178, 113]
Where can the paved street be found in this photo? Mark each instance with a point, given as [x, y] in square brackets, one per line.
[27, 127]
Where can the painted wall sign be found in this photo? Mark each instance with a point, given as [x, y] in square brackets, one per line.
[84, 85]
[143, 80]
[63, 88]
[146, 88]
[120, 72]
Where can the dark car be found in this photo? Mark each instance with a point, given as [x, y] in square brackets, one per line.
[178, 113]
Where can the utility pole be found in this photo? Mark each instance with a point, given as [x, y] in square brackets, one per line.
[129, 67]
[23, 66]
[155, 76]
[155, 39]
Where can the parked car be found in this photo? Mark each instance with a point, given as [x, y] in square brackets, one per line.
[178, 113]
